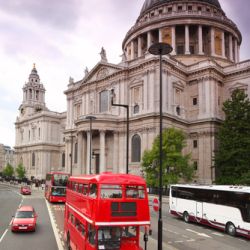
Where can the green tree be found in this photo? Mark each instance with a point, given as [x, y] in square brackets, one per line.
[20, 170]
[175, 165]
[232, 159]
[8, 170]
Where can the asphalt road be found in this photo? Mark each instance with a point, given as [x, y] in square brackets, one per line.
[192, 236]
[42, 239]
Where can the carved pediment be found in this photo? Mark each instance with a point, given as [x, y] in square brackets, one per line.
[238, 85]
[101, 71]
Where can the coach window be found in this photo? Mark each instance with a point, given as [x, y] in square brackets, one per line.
[93, 190]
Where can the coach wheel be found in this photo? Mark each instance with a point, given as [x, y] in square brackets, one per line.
[230, 229]
[68, 242]
[186, 217]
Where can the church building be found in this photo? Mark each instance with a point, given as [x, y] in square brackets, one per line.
[197, 77]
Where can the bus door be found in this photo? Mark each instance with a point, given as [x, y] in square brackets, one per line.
[199, 209]
[173, 205]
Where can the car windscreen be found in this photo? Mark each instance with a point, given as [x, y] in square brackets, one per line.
[24, 214]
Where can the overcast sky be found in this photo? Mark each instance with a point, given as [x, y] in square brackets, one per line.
[63, 37]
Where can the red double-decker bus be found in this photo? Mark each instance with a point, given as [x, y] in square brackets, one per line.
[105, 211]
[55, 186]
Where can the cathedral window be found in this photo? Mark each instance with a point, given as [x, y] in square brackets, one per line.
[195, 143]
[136, 148]
[190, 7]
[37, 94]
[169, 9]
[195, 165]
[33, 160]
[136, 109]
[63, 159]
[195, 101]
[179, 8]
[104, 101]
[76, 149]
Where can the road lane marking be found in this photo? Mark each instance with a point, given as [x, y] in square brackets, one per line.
[218, 234]
[199, 234]
[58, 241]
[3, 235]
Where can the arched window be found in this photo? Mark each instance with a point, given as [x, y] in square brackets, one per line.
[75, 158]
[63, 160]
[104, 101]
[33, 159]
[136, 148]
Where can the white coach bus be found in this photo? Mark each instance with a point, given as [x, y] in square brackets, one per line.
[223, 207]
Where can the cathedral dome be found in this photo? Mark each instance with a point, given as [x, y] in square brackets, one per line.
[148, 4]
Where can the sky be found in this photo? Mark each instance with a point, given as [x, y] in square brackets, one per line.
[63, 37]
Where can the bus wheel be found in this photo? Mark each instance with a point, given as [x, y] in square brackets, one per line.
[68, 242]
[186, 217]
[230, 229]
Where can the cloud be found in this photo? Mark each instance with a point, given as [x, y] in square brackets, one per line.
[61, 14]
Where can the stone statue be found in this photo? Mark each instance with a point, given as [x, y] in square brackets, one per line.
[86, 71]
[103, 55]
[71, 80]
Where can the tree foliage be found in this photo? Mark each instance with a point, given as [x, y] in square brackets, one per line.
[175, 165]
[8, 170]
[232, 159]
[20, 170]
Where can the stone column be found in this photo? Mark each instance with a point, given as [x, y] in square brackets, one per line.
[231, 47]
[79, 151]
[236, 50]
[173, 40]
[132, 50]
[160, 36]
[223, 44]
[149, 39]
[200, 40]
[212, 42]
[102, 152]
[139, 47]
[115, 152]
[88, 152]
[187, 52]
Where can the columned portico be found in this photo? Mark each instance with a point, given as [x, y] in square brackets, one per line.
[200, 40]
[88, 153]
[173, 40]
[102, 151]
[187, 51]
[212, 42]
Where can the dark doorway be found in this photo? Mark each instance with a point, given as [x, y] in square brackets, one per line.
[97, 163]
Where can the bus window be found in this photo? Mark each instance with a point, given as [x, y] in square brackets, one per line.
[111, 191]
[109, 237]
[129, 232]
[81, 229]
[85, 189]
[60, 180]
[135, 192]
[58, 191]
[93, 190]
[91, 234]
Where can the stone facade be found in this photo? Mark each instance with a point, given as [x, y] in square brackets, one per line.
[6, 156]
[39, 132]
[198, 76]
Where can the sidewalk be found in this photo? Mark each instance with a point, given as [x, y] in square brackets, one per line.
[152, 244]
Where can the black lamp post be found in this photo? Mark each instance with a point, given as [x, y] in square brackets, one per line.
[90, 118]
[127, 107]
[160, 49]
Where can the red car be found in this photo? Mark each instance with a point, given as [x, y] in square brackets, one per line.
[25, 190]
[24, 219]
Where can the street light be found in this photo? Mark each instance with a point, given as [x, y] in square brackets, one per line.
[90, 118]
[160, 49]
[127, 141]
